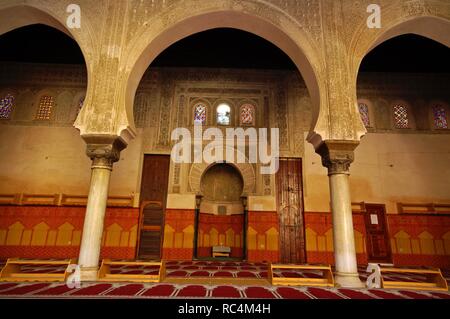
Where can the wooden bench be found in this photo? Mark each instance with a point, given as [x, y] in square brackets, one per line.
[327, 279]
[434, 279]
[221, 251]
[13, 271]
[104, 273]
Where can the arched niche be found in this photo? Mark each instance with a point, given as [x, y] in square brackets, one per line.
[221, 186]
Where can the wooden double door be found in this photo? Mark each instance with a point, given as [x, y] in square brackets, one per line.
[290, 211]
[291, 219]
[154, 182]
[377, 236]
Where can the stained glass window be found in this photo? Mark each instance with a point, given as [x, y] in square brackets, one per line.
[364, 112]
[401, 116]
[223, 114]
[6, 105]
[247, 114]
[200, 114]
[440, 116]
[45, 107]
[80, 104]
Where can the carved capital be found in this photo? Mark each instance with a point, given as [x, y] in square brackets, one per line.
[337, 155]
[103, 150]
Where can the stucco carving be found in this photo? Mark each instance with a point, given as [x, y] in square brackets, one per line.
[326, 39]
[337, 155]
[103, 150]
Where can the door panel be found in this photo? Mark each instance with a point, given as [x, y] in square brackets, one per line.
[153, 196]
[290, 211]
[378, 244]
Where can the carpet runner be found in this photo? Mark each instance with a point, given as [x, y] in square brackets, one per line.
[208, 269]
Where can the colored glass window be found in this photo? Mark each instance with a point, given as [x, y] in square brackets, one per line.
[364, 113]
[80, 104]
[401, 116]
[440, 117]
[223, 114]
[6, 105]
[200, 114]
[45, 107]
[247, 114]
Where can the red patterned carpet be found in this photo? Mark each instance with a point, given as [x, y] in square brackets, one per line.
[164, 290]
[199, 269]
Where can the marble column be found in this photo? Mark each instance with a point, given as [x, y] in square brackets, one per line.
[104, 150]
[337, 157]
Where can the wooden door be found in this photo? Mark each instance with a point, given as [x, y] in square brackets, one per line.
[290, 211]
[155, 173]
[377, 237]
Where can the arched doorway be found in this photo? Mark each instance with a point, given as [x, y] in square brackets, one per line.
[221, 216]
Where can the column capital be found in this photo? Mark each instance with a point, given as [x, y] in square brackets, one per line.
[103, 149]
[337, 155]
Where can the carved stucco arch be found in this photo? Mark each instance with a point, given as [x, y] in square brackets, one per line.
[53, 14]
[395, 22]
[190, 17]
[245, 169]
[431, 27]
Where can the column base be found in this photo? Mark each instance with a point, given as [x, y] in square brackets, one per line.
[88, 273]
[348, 280]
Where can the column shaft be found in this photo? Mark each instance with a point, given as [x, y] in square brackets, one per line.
[343, 236]
[94, 219]
[337, 157]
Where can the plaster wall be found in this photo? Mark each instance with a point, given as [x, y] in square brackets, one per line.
[388, 168]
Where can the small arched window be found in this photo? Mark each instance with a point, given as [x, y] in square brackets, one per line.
[401, 117]
[247, 114]
[6, 106]
[80, 105]
[200, 114]
[364, 113]
[45, 108]
[223, 114]
[440, 117]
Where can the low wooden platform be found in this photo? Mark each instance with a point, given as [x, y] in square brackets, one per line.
[104, 273]
[326, 281]
[13, 271]
[235, 281]
[434, 279]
